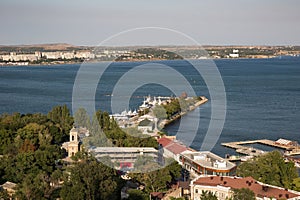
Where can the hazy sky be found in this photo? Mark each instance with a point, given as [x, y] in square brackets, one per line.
[88, 22]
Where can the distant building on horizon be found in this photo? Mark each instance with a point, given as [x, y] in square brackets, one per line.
[234, 54]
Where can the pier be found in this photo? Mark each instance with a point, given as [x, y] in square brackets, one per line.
[179, 115]
[291, 148]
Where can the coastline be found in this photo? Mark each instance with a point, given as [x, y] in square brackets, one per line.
[134, 61]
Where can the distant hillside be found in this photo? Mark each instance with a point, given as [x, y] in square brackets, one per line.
[40, 47]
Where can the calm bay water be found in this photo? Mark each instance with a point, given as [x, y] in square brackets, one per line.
[263, 95]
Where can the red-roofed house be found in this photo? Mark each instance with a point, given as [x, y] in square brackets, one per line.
[164, 141]
[222, 186]
[198, 163]
[171, 148]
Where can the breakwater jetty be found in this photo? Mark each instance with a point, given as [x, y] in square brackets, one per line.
[290, 147]
[157, 112]
[165, 122]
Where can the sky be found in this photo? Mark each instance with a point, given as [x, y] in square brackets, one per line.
[207, 22]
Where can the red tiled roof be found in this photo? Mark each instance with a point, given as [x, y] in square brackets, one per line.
[164, 141]
[176, 148]
[172, 146]
[259, 189]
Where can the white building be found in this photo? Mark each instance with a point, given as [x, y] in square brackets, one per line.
[124, 156]
[84, 55]
[68, 55]
[13, 56]
[52, 55]
[171, 148]
[234, 54]
[206, 163]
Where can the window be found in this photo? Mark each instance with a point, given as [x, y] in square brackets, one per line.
[196, 191]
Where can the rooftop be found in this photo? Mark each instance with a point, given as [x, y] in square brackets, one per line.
[260, 189]
[172, 145]
[208, 159]
[122, 149]
[9, 185]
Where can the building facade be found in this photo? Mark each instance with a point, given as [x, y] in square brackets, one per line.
[73, 146]
[125, 157]
[206, 163]
[196, 162]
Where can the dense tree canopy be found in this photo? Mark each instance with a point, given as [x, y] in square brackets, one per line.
[176, 106]
[270, 168]
[30, 149]
[30, 155]
[135, 194]
[159, 112]
[82, 119]
[89, 180]
[160, 179]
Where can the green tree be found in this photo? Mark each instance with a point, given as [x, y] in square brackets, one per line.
[243, 194]
[56, 176]
[296, 184]
[82, 119]
[91, 180]
[57, 133]
[172, 108]
[11, 122]
[184, 105]
[270, 168]
[61, 115]
[97, 136]
[158, 180]
[145, 164]
[6, 140]
[102, 123]
[208, 195]
[29, 135]
[159, 112]
[174, 169]
[34, 187]
[154, 181]
[4, 195]
[135, 194]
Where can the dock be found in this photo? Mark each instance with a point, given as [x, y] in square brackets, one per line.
[291, 148]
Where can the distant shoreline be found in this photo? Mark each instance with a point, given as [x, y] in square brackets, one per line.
[128, 61]
[63, 54]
